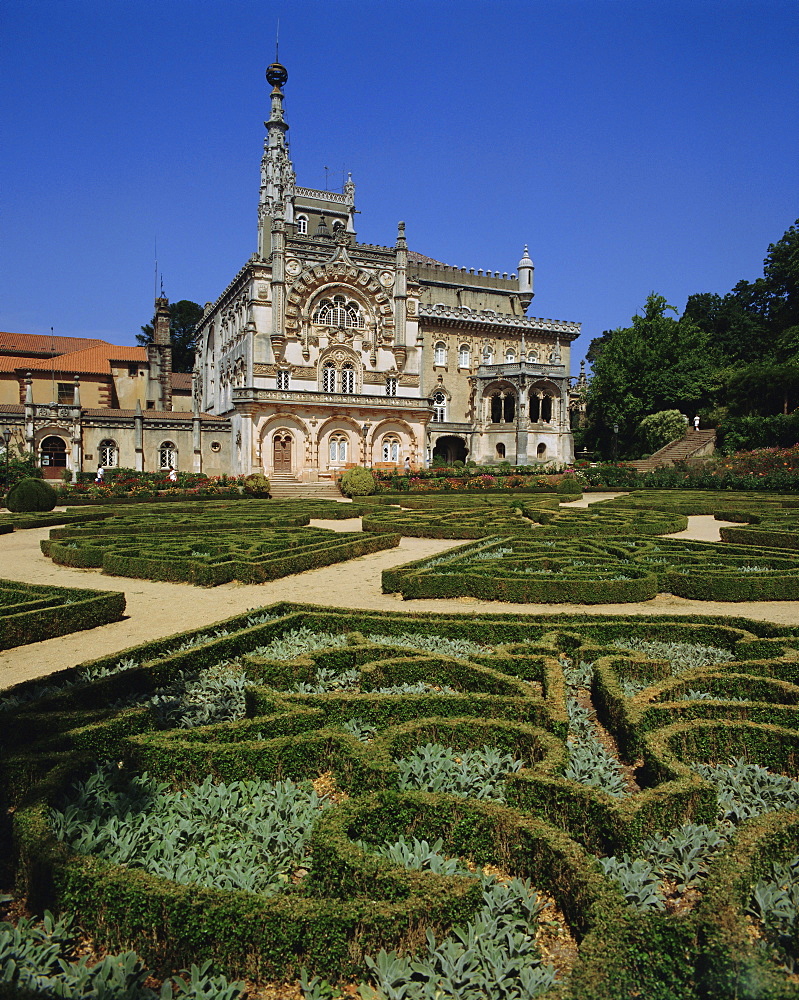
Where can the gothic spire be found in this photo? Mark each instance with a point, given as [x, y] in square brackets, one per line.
[277, 173]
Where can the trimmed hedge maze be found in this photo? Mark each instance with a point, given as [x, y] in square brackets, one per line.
[549, 568]
[251, 543]
[432, 806]
[31, 612]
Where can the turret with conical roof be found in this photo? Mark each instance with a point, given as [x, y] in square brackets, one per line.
[525, 271]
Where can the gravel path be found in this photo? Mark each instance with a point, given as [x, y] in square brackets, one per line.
[160, 609]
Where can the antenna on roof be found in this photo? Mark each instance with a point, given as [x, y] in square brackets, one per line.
[277, 40]
[326, 172]
[162, 286]
[155, 281]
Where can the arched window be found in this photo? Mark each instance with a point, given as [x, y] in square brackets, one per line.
[302, 225]
[440, 353]
[464, 356]
[283, 378]
[338, 311]
[488, 355]
[532, 356]
[108, 454]
[535, 408]
[391, 448]
[338, 449]
[510, 356]
[500, 450]
[439, 407]
[541, 452]
[167, 456]
[496, 408]
[347, 378]
[328, 377]
[546, 409]
[391, 386]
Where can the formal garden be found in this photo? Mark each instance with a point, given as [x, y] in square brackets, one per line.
[424, 806]
[309, 802]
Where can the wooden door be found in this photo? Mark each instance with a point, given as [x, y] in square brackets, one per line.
[282, 453]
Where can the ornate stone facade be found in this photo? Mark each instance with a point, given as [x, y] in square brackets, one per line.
[324, 352]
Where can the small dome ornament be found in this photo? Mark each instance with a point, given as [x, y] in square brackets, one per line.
[276, 74]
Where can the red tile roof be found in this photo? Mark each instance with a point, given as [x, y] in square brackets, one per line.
[42, 343]
[181, 381]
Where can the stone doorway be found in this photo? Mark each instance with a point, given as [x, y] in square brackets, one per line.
[53, 456]
[282, 454]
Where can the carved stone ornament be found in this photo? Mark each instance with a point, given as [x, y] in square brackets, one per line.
[411, 307]
[386, 279]
[263, 291]
[293, 267]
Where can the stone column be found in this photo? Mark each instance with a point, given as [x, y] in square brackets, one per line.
[138, 437]
[77, 449]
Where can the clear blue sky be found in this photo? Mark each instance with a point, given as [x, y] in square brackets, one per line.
[635, 146]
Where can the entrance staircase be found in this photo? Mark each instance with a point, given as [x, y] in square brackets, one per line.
[283, 486]
[694, 444]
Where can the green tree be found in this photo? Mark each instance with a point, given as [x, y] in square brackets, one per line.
[658, 363]
[183, 319]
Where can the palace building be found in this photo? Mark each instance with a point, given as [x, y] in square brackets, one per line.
[325, 352]
[322, 353]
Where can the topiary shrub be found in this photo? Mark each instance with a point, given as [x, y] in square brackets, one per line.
[357, 482]
[31, 495]
[656, 430]
[569, 484]
[256, 483]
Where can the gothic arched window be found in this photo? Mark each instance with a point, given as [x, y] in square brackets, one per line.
[391, 448]
[337, 449]
[347, 379]
[108, 454]
[440, 353]
[338, 311]
[302, 225]
[439, 407]
[167, 456]
[464, 356]
[510, 356]
[328, 377]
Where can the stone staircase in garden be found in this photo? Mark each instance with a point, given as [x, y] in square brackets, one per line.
[285, 487]
[694, 444]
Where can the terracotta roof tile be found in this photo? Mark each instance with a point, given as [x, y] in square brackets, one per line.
[181, 380]
[41, 343]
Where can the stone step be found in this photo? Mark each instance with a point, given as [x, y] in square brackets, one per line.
[676, 451]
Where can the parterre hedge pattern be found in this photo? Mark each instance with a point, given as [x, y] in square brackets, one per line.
[537, 553]
[655, 879]
[32, 612]
[250, 541]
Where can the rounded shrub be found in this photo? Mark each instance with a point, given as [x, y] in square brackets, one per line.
[31, 495]
[256, 483]
[358, 482]
[569, 484]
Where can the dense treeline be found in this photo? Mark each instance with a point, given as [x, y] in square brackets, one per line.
[733, 359]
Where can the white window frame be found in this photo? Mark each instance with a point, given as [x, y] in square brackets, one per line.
[339, 312]
[167, 456]
[283, 378]
[464, 356]
[328, 377]
[439, 407]
[510, 356]
[390, 448]
[302, 225]
[108, 454]
[348, 379]
[440, 354]
[337, 448]
[391, 386]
